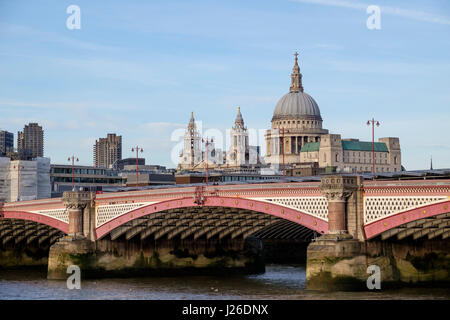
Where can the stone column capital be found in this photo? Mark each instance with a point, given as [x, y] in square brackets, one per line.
[338, 188]
[76, 199]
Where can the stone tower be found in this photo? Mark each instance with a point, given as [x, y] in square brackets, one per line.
[192, 148]
[238, 153]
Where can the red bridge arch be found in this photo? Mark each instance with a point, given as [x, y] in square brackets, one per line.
[377, 227]
[301, 218]
[39, 218]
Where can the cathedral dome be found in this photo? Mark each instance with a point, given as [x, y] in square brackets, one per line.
[295, 105]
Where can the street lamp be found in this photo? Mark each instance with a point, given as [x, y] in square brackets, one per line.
[73, 158]
[283, 131]
[18, 167]
[207, 143]
[377, 123]
[138, 149]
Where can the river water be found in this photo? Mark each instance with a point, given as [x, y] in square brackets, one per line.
[278, 282]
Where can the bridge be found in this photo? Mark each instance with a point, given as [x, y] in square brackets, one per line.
[338, 208]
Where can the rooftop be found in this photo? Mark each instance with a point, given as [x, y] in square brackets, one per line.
[348, 145]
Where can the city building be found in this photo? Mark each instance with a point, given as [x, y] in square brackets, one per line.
[192, 147]
[240, 153]
[148, 175]
[352, 155]
[107, 151]
[30, 142]
[296, 120]
[120, 164]
[310, 149]
[192, 157]
[86, 177]
[228, 175]
[24, 179]
[306, 169]
[100, 179]
[150, 179]
[6, 142]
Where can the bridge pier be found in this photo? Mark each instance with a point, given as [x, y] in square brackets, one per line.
[78, 245]
[339, 260]
[331, 260]
[123, 257]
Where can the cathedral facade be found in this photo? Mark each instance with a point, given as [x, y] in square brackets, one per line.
[297, 136]
[296, 121]
[296, 139]
[240, 154]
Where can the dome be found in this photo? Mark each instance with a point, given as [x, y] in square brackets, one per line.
[296, 104]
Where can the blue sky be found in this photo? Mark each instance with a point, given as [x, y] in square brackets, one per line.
[138, 68]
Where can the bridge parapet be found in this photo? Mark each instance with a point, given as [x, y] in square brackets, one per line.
[383, 199]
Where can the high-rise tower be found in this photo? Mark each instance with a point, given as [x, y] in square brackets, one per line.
[107, 150]
[30, 142]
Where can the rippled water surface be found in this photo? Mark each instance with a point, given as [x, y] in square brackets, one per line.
[279, 282]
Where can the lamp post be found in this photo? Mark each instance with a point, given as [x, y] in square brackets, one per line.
[377, 123]
[18, 167]
[73, 158]
[207, 143]
[138, 149]
[283, 131]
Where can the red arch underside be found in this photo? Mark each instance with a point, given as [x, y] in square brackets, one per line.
[296, 216]
[375, 228]
[24, 215]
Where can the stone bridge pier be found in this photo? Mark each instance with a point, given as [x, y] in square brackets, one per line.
[343, 239]
[105, 256]
[79, 244]
[339, 260]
